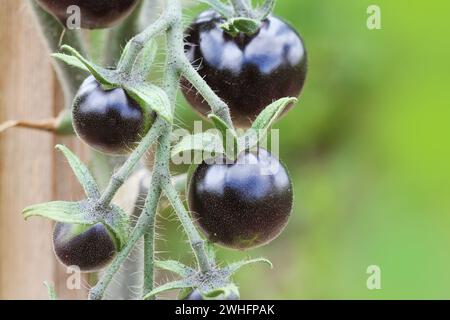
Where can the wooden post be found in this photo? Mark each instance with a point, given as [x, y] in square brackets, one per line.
[30, 169]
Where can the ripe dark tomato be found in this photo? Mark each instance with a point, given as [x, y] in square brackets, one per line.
[108, 120]
[247, 72]
[196, 295]
[244, 204]
[90, 248]
[95, 14]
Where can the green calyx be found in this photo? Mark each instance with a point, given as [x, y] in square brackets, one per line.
[85, 213]
[241, 15]
[226, 140]
[212, 285]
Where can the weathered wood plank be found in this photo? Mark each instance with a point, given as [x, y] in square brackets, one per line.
[30, 169]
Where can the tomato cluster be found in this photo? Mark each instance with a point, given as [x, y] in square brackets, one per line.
[240, 204]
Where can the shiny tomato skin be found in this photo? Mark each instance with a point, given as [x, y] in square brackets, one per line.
[247, 72]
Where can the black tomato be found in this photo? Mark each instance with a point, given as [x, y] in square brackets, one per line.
[108, 120]
[243, 204]
[247, 72]
[91, 248]
[196, 295]
[95, 14]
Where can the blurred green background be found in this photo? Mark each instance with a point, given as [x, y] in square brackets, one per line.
[368, 150]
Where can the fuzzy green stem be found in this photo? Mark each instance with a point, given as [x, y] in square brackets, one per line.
[145, 220]
[139, 41]
[119, 178]
[218, 106]
[197, 243]
[149, 244]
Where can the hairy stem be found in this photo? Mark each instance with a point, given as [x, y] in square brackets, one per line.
[197, 243]
[218, 106]
[119, 178]
[147, 217]
[149, 244]
[139, 41]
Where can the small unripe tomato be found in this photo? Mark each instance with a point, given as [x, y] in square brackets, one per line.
[91, 248]
[247, 72]
[95, 14]
[108, 120]
[243, 204]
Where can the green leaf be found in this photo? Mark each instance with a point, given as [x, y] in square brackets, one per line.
[175, 267]
[246, 25]
[145, 59]
[264, 122]
[265, 9]
[108, 78]
[118, 223]
[203, 142]
[151, 97]
[61, 211]
[179, 284]
[271, 113]
[210, 251]
[229, 136]
[51, 290]
[70, 60]
[224, 10]
[234, 267]
[81, 172]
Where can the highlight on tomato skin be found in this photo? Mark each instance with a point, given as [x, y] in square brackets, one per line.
[108, 120]
[241, 205]
[90, 248]
[95, 14]
[247, 72]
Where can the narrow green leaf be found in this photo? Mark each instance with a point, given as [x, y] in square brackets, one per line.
[224, 10]
[265, 9]
[210, 250]
[106, 77]
[175, 267]
[118, 223]
[144, 61]
[264, 122]
[61, 211]
[51, 290]
[82, 173]
[234, 267]
[229, 136]
[70, 60]
[179, 284]
[151, 97]
[271, 113]
[203, 142]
